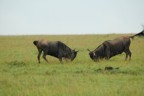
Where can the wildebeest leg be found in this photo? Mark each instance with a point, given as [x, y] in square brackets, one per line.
[107, 54]
[39, 54]
[60, 59]
[126, 56]
[60, 56]
[66, 59]
[107, 58]
[44, 56]
[128, 53]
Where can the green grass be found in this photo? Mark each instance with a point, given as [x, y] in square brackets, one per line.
[21, 75]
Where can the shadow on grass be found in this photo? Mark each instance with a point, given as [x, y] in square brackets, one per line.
[16, 64]
[116, 71]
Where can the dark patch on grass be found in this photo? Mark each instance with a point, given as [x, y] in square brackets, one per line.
[79, 71]
[112, 70]
[16, 64]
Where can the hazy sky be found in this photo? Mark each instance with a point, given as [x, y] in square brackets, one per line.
[22, 17]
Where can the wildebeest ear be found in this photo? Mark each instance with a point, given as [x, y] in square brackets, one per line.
[88, 50]
[74, 49]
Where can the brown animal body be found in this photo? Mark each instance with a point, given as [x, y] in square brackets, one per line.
[56, 49]
[111, 48]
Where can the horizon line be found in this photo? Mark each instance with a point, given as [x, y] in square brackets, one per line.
[62, 34]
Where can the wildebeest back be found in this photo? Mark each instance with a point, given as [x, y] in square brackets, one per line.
[117, 46]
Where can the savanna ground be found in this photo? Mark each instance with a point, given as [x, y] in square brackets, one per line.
[21, 75]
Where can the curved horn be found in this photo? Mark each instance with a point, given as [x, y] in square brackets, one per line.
[88, 50]
[74, 49]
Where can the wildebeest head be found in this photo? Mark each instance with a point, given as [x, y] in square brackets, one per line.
[97, 54]
[73, 55]
[91, 54]
[35, 42]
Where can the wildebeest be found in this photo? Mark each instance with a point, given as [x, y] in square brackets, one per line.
[111, 48]
[114, 47]
[56, 49]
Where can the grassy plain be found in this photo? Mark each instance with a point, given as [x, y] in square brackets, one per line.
[21, 75]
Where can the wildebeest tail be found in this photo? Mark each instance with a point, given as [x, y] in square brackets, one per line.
[132, 36]
[138, 34]
[35, 43]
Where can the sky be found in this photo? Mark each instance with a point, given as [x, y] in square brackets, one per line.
[39, 17]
